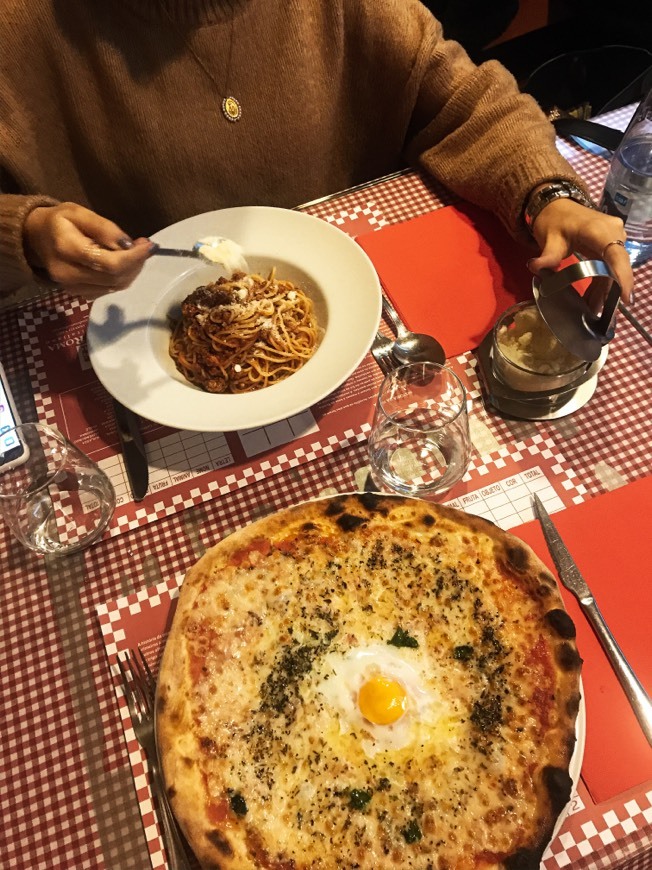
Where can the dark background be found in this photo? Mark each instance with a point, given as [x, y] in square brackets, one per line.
[529, 36]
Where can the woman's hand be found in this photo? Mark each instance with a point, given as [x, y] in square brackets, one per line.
[565, 227]
[83, 253]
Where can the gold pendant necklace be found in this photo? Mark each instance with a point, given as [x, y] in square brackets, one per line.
[231, 108]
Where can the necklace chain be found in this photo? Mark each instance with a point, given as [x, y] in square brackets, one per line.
[231, 108]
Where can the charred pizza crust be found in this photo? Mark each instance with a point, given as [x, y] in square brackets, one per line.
[261, 772]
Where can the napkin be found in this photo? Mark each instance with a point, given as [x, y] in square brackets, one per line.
[608, 537]
[450, 272]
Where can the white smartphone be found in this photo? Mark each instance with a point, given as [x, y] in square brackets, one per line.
[13, 451]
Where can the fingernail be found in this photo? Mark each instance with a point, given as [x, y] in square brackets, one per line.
[529, 264]
[125, 243]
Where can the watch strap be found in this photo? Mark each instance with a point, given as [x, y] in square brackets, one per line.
[545, 195]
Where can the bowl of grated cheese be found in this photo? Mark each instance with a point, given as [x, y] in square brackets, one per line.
[527, 357]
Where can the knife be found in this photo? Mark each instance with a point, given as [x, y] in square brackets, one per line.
[570, 576]
[133, 450]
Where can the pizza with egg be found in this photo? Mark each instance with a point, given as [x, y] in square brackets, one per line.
[369, 682]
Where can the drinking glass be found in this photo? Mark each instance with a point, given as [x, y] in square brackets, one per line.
[419, 443]
[54, 499]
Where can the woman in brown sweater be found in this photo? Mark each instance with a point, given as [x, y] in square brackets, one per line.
[113, 125]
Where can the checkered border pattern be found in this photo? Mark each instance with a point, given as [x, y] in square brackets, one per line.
[594, 843]
[373, 216]
[109, 616]
[396, 199]
[218, 519]
[29, 320]
[607, 426]
[207, 490]
[538, 445]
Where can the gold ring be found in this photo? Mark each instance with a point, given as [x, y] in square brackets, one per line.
[609, 244]
[92, 253]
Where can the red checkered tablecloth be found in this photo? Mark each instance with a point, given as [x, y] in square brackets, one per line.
[68, 796]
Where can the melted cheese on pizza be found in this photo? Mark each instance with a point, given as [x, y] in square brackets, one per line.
[370, 692]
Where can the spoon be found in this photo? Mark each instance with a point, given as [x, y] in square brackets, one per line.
[412, 347]
[213, 250]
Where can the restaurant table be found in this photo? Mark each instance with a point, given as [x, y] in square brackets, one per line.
[73, 791]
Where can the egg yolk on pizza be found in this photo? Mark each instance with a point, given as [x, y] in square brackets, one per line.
[382, 700]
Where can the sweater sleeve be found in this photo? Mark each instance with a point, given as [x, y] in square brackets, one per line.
[474, 131]
[15, 271]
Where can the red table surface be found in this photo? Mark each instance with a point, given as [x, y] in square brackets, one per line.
[609, 540]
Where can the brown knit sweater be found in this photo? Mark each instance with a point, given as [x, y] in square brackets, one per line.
[102, 103]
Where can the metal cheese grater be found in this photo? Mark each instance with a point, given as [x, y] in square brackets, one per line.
[581, 331]
[568, 316]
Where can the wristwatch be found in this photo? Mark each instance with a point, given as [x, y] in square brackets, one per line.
[545, 195]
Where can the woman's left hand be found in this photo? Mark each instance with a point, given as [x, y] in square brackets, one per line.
[565, 227]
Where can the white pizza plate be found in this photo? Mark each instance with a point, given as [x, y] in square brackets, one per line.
[128, 331]
[575, 767]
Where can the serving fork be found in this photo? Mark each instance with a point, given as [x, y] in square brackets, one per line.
[139, 687]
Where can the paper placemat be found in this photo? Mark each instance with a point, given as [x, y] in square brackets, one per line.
[451, 272]
[143, 619]
[499, 486]
[609, 539]
[185, 468]
[496, 485]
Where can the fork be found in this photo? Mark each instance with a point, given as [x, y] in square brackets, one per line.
[138, 685]
[381, 350]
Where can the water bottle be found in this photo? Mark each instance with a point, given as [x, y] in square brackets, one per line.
[628, 188]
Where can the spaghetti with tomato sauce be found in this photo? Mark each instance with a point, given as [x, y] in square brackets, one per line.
[244, 333]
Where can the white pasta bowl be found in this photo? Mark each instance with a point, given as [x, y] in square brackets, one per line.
[129, 331]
